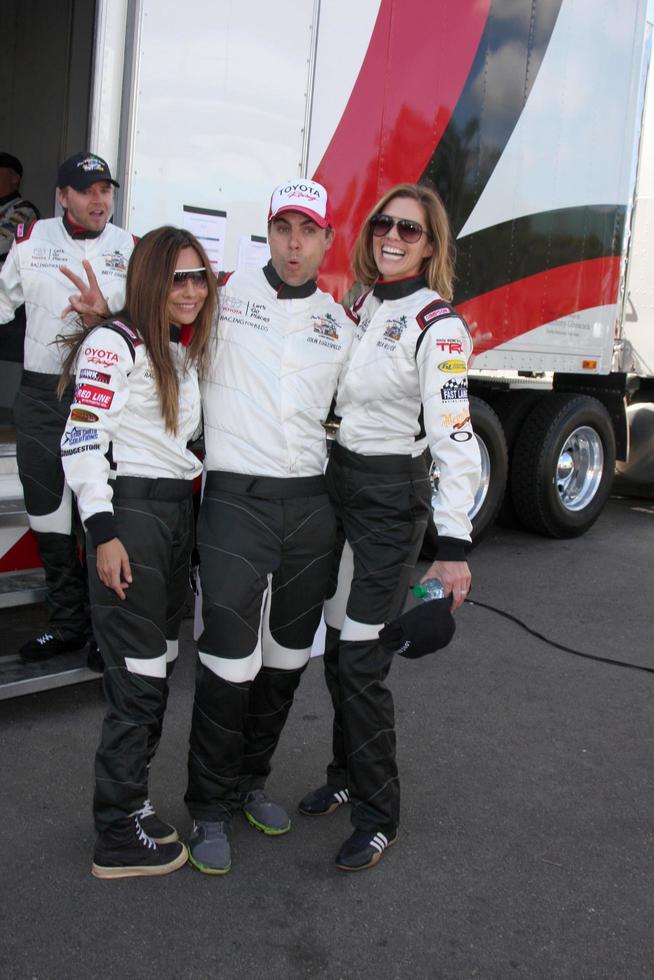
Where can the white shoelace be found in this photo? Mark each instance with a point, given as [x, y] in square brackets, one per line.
[45, 638]
[142, 836]
[147, 810]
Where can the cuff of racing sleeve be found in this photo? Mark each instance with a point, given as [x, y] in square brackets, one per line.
[101, 527]
[451, 549]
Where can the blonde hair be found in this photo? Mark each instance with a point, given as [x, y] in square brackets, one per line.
[439, 267]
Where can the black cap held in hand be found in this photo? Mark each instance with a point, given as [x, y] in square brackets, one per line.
[424, 629]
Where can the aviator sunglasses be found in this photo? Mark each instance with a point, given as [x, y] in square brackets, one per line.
[197, 276]
[409, 231]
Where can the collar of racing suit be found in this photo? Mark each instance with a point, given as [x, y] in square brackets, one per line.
[283, 290]
[181, 335]
[9, 197]
[76, 231]
[397, 288]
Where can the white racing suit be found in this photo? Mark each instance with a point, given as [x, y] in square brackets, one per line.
[266, 528]
[404, 387]
[14, 211]
[145, 500]
[31, 275]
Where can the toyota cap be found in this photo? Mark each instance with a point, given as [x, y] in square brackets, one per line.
[306, 196]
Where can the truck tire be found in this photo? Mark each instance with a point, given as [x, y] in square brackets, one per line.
[563, 463]
[513, 407]
[494, 471]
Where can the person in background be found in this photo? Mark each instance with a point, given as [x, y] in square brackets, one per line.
[140, 409]
[403, 388]
[15, 210]
[87, 247]
[266, 528]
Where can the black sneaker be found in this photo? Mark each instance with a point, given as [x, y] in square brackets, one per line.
[94, 659]
[126, 851]
[48, 645]
[323, 800]
[363, 850]
[160, 831]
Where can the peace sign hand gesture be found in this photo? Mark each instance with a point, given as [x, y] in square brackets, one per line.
[89, 302]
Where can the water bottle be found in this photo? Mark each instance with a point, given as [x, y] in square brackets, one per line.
[431, 589]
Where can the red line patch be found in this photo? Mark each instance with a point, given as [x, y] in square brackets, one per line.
[96, 397]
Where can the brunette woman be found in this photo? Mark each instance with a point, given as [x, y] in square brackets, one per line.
[404, 388]
[136, 406]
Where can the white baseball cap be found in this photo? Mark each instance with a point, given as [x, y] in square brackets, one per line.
[306, 196]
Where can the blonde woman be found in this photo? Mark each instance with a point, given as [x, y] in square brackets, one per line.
[403, 388]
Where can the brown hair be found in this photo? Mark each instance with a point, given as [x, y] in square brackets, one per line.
[439, 267]
[149, 281]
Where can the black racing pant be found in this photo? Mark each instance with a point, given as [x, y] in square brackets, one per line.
[138, 636]
[382, 505]
[40, 419]
[266, 549]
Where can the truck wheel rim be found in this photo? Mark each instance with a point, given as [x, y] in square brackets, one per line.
[579, 468]
[484, 481]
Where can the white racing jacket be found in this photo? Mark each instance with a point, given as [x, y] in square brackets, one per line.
[14, 211]
[279, 352]
[405, 388]
[31, 275]
[116, 407]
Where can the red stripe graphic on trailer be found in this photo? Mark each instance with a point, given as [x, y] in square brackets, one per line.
[22, 555]
[509, 311]
[379, 128]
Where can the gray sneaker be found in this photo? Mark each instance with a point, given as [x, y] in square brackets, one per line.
[208, 846]
[263, 813]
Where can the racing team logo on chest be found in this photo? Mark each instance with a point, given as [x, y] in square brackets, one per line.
[115, 261]
[392, 333]
[361, 327]
[325, 331]
[395, 328]
[48, 258]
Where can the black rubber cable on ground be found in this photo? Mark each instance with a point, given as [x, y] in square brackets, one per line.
[559, 646]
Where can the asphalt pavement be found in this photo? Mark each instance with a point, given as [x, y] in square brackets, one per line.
[526, 844]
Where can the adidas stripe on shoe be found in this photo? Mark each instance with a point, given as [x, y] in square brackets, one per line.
[363, 849]
[319, 802]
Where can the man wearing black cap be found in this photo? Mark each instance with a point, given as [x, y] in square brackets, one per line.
[86, 247]
[14, 209]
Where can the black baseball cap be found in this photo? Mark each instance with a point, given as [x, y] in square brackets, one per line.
[8, 160]
[426, 628]
[82, 170]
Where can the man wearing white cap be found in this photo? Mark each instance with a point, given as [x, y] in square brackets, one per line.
[266, 529]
